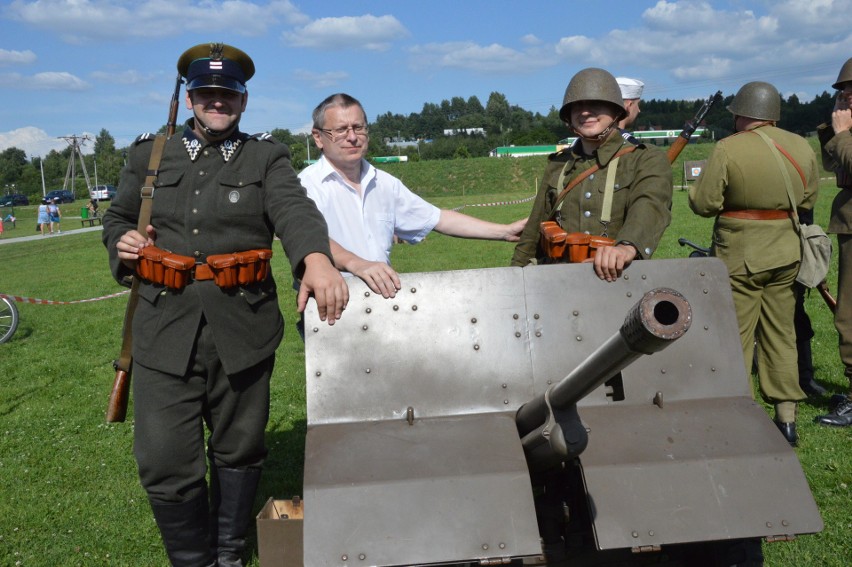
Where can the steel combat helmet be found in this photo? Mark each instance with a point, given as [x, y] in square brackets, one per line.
[757, 100]
[592, 84]
[845, 75]
[215, 65]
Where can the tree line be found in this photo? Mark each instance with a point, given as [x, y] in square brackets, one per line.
[503, 124]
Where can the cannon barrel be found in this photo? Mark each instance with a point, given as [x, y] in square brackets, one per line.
[549, 426]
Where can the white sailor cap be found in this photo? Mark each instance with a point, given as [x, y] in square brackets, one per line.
[630, 88]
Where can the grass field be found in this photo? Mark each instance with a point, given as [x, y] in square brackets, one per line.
[70, 491]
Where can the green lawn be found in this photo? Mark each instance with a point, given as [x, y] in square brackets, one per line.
[70, 491]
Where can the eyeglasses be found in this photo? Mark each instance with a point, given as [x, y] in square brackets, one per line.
[340, 133]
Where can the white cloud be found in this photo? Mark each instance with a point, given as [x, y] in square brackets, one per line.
[694, 43]
[50, 80]
[16, 57]
[80, 21]
[531, 39]
[128, 77]
[348, 32]
[36, 142]
[321, 80]
[494, 58]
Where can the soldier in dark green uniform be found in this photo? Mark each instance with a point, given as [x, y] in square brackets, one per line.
[204, 354]
[628, 198]
[743, 186]
[835, 138]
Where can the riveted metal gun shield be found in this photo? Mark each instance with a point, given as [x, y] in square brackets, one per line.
[432, 417]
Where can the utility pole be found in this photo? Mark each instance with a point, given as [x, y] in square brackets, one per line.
[76, 143]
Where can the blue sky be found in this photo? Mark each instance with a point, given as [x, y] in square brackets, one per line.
[77, 66]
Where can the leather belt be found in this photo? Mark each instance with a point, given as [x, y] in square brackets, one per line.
[758, 214]
[202, 272]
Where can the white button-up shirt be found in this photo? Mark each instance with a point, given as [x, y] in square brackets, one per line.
[365, 223]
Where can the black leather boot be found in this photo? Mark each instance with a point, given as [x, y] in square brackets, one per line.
[232, 501]
[789, 432]
[841, 416]
[184, 528]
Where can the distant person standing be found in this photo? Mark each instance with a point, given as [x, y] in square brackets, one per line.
[631, 93]
[43, 220]
[835, 139]
[744, 187]
[55, 216]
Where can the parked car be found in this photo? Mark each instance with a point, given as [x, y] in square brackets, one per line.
[14, 200]
[63, 196]
[102, 192]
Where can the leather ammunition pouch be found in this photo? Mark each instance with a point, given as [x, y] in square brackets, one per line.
[570, 247]
[226, 270]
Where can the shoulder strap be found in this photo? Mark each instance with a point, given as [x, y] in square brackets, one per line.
[125, 356]
[576, 181]
[147, 191]
[776, 153]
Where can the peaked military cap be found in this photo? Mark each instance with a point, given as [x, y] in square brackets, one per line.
[215, 65]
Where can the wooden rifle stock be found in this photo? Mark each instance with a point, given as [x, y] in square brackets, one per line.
[173, 107]
[120, 394]
[117, 408]
[830, 301]
[690, 126]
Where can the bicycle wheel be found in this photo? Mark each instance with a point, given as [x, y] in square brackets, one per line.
[8, 319]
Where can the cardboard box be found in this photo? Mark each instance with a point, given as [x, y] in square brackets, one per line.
[279, 533]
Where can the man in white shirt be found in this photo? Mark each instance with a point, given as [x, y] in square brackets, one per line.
[365, 207]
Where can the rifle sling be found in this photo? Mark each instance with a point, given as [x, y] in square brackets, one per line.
[125, 357]
[577, 180]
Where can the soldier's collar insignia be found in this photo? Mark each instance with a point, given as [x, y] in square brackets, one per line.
[191, 143]
[228, 147]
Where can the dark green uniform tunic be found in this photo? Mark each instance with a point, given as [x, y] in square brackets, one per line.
[762, 256]
[641, 205]
[204, 352]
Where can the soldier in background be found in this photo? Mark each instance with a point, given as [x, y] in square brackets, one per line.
[641, 192]
[744, 188]
[631, 93]
[836, 143]
[204, 354]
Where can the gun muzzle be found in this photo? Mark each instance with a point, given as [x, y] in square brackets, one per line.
[659, 318]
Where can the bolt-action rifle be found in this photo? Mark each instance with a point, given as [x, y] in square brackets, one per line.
[829, 299]
[118, 398]
[691, 125]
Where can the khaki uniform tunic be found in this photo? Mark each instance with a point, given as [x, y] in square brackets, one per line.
[837, 157]
[641, 204]
[762, 256]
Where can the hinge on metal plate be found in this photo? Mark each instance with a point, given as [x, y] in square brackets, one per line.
[496, 561]
[774, 538]
[646, 549]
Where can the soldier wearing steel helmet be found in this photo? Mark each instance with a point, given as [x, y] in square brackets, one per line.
[638, 200]
[835, 138]
[743, 186]
[203, 354]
